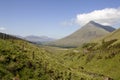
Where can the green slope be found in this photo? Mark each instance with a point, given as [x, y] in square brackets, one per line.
[99, 64]
[21, 60]
[93, 61]
[113, 35]
[100, 60]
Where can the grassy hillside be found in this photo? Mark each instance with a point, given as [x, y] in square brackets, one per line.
[99, 60]
[113, 35]
[20, 60]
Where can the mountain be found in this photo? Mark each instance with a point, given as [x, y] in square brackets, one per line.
[31, 38]
[38, 39]
[87, 33]
[19, 36]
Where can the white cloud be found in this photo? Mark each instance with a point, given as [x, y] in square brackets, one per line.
[2, 29]
[107, 16]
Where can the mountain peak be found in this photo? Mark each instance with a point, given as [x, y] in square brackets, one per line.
[95, 24]
[92, 22]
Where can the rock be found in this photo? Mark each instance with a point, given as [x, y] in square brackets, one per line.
[107, 78]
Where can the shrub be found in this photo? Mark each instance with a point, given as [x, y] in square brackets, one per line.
[89, 46]
[107, 44]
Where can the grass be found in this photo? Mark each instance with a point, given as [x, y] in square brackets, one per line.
[93, 61]
[97, 61]
[22, 60]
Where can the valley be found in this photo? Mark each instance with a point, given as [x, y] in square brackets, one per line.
[95, 60]
[59, 39]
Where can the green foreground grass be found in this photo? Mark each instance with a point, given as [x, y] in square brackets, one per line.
[20, 60]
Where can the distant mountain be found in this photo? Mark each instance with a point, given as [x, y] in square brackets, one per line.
[88, 32]
[19, 36]
[38, 39]
[30, 38]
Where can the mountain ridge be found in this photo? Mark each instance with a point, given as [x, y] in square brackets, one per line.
[38, 39]
[107, 28]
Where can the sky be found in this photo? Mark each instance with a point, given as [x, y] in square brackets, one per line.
[55, 18]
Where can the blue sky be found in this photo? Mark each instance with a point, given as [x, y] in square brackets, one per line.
[53, 18]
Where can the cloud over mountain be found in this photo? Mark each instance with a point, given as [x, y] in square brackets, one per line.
[107, 16]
